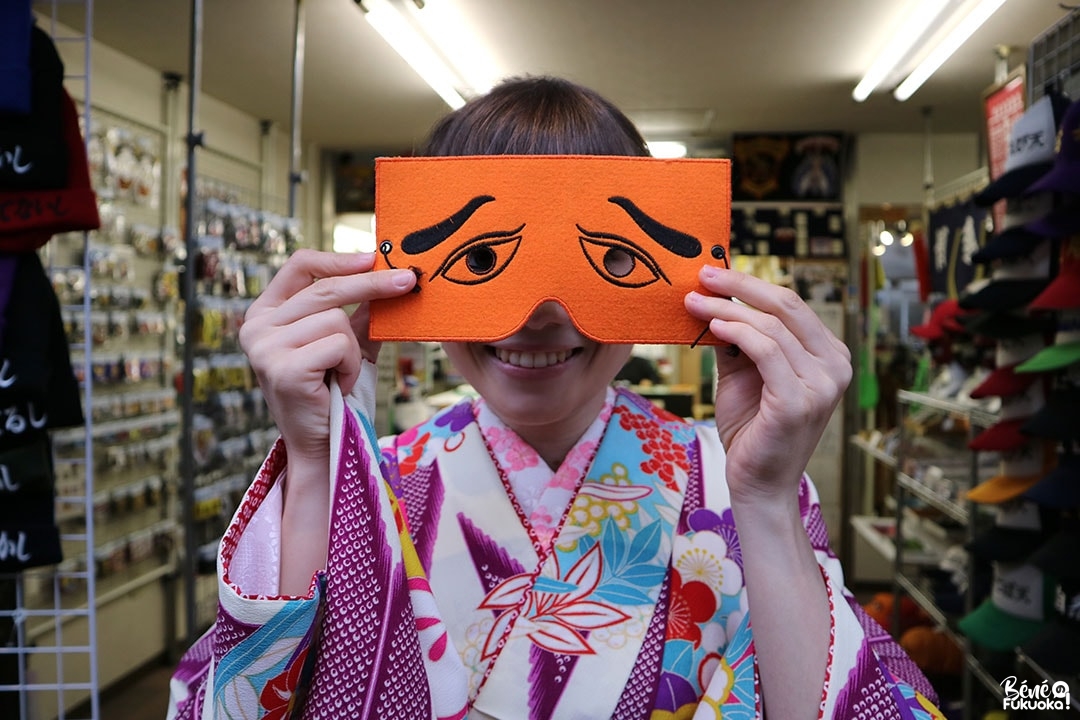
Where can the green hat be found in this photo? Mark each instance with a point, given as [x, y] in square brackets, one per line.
[1052, 357]
[1015, 611]
[1065, 350]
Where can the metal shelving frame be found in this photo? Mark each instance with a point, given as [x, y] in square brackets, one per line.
[75, 667]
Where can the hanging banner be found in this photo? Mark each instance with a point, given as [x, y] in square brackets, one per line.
[806, 231]
[956, 232]
[787, 167]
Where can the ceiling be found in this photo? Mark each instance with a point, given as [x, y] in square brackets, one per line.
[687, 69]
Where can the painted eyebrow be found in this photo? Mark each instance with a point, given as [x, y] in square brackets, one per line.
[674, 240]
[429, 237]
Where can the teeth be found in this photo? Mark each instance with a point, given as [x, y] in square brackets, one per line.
[531, 359]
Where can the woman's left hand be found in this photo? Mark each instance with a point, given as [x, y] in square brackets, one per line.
[776, 392]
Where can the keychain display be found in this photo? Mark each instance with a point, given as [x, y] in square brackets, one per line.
[238, 251]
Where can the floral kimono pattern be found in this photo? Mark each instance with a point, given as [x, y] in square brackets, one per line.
[444, 598]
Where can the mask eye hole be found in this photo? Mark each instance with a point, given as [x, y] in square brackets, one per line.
[481, 259]
[620, 262]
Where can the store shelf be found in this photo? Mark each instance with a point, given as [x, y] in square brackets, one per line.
[82, 609]
[878, 533]
[975, 414]
[947, 626]
[927, 604]
[949, 507]
[878, 454]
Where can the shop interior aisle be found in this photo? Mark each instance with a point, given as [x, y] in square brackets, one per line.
[142, 696]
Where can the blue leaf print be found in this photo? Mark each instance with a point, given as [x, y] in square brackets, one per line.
[643, 575]
[613, 545]
[552, 585]
[646, 544]
[621, 593]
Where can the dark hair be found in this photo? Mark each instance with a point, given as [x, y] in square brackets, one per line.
[536, 116]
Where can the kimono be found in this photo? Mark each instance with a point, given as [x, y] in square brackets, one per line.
[467, 580]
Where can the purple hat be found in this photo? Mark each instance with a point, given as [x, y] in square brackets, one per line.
[1064, 176]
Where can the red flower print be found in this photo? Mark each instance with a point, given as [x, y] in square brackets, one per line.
[664, 453]
[691, 604]
[277, 695]
[408, 465]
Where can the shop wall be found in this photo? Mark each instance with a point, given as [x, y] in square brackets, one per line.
[889, 167]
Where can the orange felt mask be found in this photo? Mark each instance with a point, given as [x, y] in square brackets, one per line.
[617, 241]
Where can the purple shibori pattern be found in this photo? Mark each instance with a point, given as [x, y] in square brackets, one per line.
[373, 666]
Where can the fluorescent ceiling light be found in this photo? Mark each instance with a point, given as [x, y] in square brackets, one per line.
[897, 49]
[666, 149]
[977, 15]
[393, 27]
[457, 43]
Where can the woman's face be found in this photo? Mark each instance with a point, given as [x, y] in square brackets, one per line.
[546, 375]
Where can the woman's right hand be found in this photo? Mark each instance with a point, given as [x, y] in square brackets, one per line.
[297, 332]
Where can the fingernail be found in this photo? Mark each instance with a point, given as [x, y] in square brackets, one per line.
[403, 279]
[710, 273]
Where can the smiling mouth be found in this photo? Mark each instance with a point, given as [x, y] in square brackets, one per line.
[533, 360]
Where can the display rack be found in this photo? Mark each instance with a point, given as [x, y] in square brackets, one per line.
[1054, 59]
[945, 495]
[240, 244]
[50, 642]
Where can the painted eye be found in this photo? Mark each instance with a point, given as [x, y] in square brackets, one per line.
[481, 260]
[620, 262]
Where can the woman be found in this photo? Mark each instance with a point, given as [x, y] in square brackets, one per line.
[557, 548]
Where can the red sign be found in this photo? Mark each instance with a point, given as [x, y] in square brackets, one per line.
[1002, 105]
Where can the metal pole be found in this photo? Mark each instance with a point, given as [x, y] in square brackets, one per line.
[187, 447]
[296, 176]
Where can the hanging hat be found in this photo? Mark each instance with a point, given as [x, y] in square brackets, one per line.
[1031, 150]
[1014, 281]
[15, 23]
[1015, 239]
[1054, 647]
[1003, 380]
[69, 207]
[1015, 611]
[1020, 528]
[1065, 350]
[1061, 221]
[1063, 292]
[1018, 471]
[1005, 435]
[944, 320]
[1060, 488]
[34, 151]
[1058, 418]
[1064, 174]
[1007, 323]
[1058, 555]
